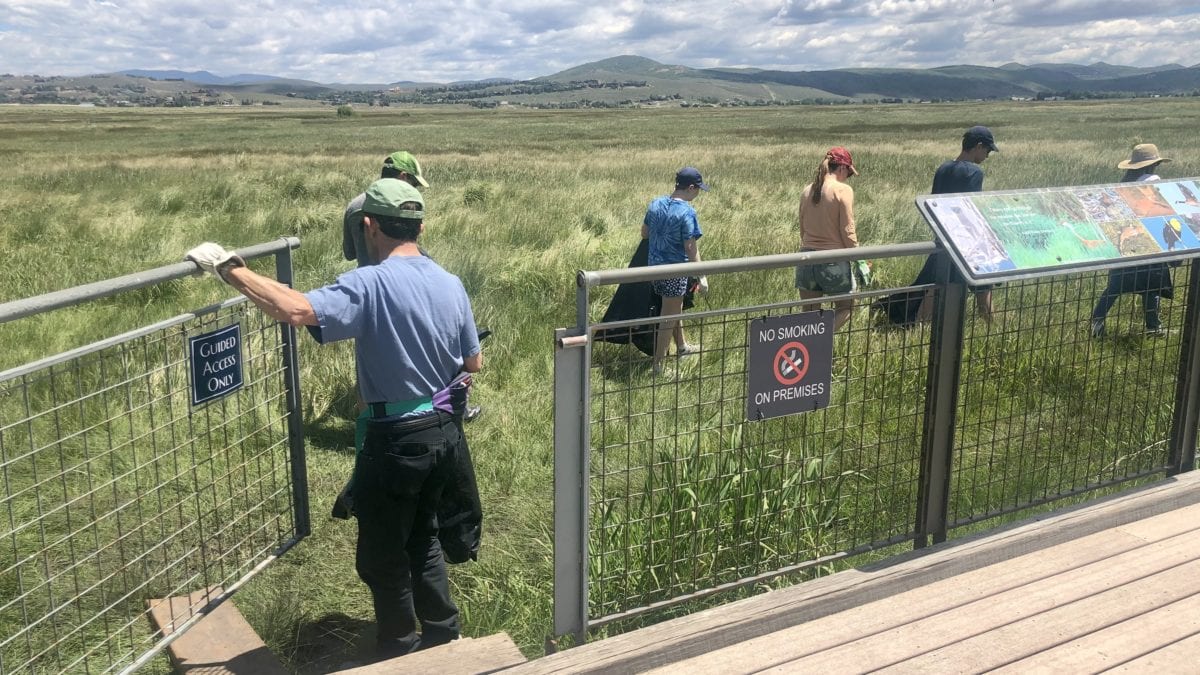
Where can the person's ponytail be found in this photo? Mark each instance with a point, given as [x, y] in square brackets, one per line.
[819, 181]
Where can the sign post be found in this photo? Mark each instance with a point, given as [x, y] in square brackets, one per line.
[216, 363]
[790, 365]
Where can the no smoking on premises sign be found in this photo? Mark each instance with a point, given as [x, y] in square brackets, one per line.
[790, 364]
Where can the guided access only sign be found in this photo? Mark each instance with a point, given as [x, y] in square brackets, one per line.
[790, 364]
[216, 363]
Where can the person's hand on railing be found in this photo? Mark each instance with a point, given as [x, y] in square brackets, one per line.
[214, 259]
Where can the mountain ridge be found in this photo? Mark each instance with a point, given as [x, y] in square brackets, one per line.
[624, 80]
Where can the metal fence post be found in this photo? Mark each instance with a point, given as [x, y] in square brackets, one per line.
[1187, 384]
[572, 439]
[295, 421]
[941, 408]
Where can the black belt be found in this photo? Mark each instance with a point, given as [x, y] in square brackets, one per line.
[434, 419]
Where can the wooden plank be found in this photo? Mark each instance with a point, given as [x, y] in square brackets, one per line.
[1163, 640]
[1037, 623]
[1180, 657]
[947, 613]
[222, 642]
[714, 629]
[463, 656]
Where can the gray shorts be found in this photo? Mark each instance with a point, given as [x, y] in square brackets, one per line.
[825, 278]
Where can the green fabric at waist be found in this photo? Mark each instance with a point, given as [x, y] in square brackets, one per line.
[415, 405]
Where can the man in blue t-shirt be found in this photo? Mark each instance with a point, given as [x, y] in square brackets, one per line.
[401, 165]
[672, 227]
[414, 336]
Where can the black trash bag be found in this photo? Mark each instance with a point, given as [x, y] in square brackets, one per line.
[638, 301]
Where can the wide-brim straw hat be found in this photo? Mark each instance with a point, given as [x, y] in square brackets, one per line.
[1144, 154]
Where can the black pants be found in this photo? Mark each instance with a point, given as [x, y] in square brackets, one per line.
[399, 480]
[1148, 281]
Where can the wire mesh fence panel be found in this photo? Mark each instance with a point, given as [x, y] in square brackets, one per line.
[117, 491]
[688, 496]
[1053, 402]
[1051, 386]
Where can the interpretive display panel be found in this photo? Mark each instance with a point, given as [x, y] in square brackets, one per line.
[994, 236]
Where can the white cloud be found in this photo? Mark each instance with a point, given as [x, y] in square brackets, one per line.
[390, 40]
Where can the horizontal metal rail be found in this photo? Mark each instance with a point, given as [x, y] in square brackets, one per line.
[767, 308]
[18, 309]
[751, 264]
[101, 345]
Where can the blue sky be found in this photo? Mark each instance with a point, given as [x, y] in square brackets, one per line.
[387, 41]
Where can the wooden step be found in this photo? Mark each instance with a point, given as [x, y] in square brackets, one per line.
[222, 642]
[465, 656]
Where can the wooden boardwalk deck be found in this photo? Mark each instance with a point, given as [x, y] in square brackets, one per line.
[1114, 585]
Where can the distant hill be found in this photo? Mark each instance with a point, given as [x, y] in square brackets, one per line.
[1100, 70]
[626, 67]
[1156, 82]
[953, 82]
[682, 83]
[627, 80]
[199, 76]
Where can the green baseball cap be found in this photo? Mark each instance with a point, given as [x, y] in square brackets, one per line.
[386, 195]
[404, 161]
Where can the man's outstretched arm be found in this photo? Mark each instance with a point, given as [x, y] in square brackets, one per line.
[279, 301]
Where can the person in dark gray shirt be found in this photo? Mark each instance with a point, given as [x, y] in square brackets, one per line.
[961, 174]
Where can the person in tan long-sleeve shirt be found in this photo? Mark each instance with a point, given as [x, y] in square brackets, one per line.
[827, 223]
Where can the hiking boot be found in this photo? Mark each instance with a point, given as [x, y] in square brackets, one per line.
[1097, 328]
[472, 413]
[1157, 332]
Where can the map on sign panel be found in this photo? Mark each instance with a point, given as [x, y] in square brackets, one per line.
[994, 236]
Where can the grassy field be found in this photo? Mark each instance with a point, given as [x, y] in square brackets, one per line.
[518, 202]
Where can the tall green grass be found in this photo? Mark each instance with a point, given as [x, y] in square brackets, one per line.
[519, 201]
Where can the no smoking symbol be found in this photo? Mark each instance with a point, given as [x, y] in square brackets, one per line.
[791, 363]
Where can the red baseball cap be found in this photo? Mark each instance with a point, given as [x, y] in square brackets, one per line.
[840, 155]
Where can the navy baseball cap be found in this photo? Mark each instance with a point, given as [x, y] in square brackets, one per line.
[977, 135]
[690, 175]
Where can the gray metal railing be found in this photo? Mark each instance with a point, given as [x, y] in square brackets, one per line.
[665, 494]
[117, 492]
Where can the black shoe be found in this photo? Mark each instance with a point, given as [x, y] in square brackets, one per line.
[472, 413]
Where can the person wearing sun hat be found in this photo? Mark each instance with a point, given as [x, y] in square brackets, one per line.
[1143, 161]
[1152, 282]
[414, 338]
[827, 223]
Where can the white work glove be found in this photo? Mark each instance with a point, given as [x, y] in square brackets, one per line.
[703, 285]
[214, 259]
